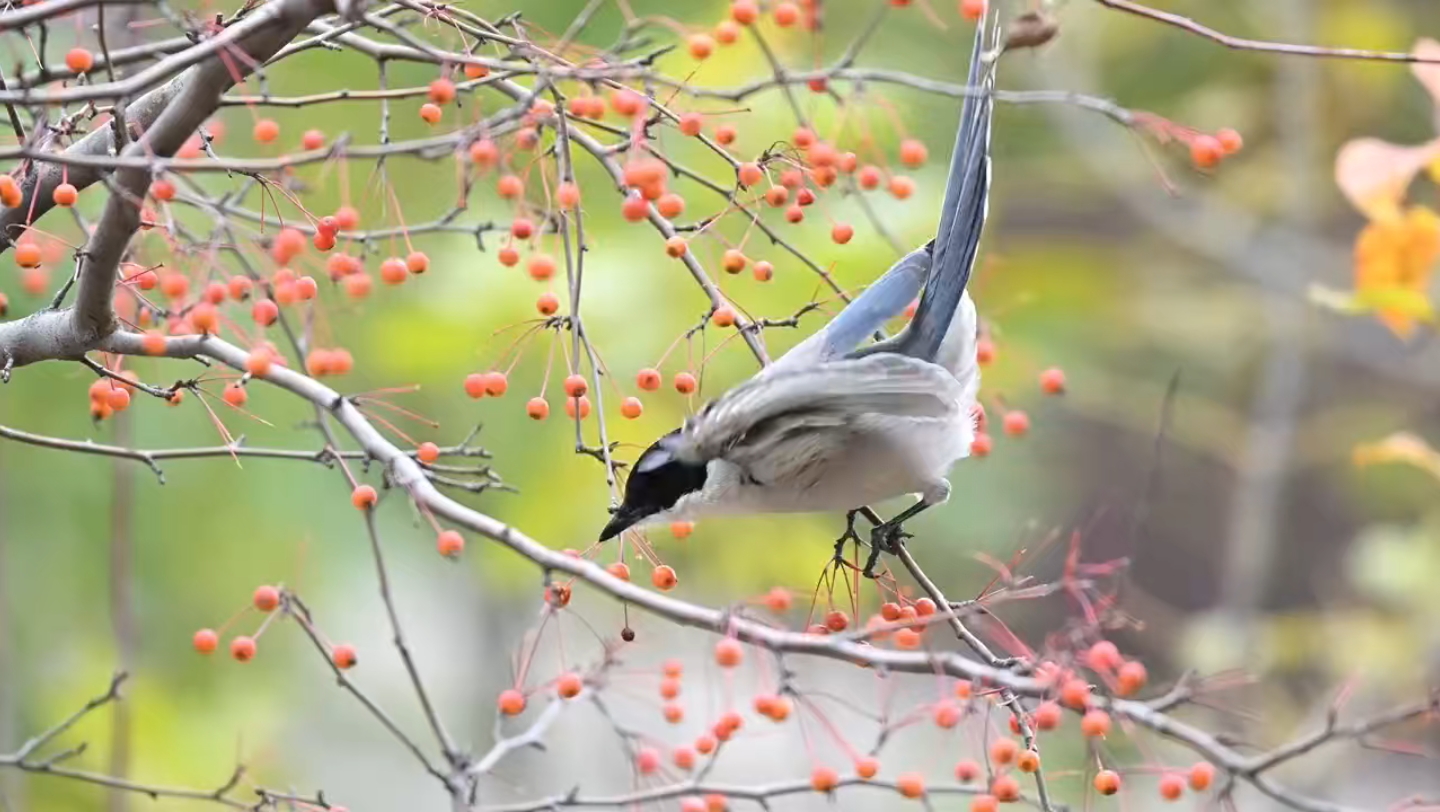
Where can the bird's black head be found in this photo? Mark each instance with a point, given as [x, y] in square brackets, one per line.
[656, 483]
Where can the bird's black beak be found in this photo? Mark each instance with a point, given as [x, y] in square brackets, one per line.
[624, 518]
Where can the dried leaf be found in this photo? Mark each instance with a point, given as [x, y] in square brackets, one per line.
[1374, 175]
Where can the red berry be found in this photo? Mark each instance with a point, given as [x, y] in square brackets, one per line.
[1131, 678]
[537, 408]
[575, 386]
[266, 131]
[1206, 151]
[744, 12]
[569, 685]
[911, 785]
[729, 652]
[450, 543]
[79, 60]
[685, 383]
[824, 779]
[972, 10]
[842, 233]
[511, 702]
[1095, 724]
[343, 656]
[1004, 751]
[1107, 782]
[66, 194]
[442, 91]
[205, 641]
[430, 113]
[663, 577]
[1201, 776]
[1052, 381]
[364, 497]
[631, 408]
[242, 648]
[1172, 786]
[1016, 423]
[266, 598]
[1230, 141]
[648, 379]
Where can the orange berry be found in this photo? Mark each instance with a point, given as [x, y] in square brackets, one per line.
[1131, 678]
[1028, 761]
[972, 10]
[1048, 716]
[867, 767]
[911, 785]
[496, 384]
[541, 267]
[343, 656]
[729, 652]
[947, 715]
[794, 214]
[913, 152]
[66, 194]
[28, 255]
[824, 779]
[907, 639]
[509, 186]
[902, 187]
[685, 383]
[727, 32]
[243, 648]
[580, 406]
[1016, 423]
[484, 153]
[430, 113]
[358, 285]
[726, 134]
[701, 46]
[567, 195]
[786, 14]
[777, 196]
[364, 497]
[842, 233]
[417, 262]
[724, 316]
[1095, 724]
[79, 60]
[1172, 787]
[676, 247]
[1004, 751]
[778, 599]
[984, 803]
[1005, 789]
[537, 408]
[511, 702]
[763, 271]
[631, 408]
[648, 379]
[205, 641]
[1206, 151]
[547, 304]
[670, 205]
[266, 598]
[1103, 656]
[674, 714]
[627, 102]
[744, 12]
[967, 771]
[982, 445]
[266, 130]
[576, 385]
[1052, 381]
[663, 577]
[1201, 776]
[475, 385]
[508, 256]
[569, 685]
[1107, 782]
[1230, 141]
[450, 543]
[476, 71]
[311, 139]
[234, 394]
[442, 91]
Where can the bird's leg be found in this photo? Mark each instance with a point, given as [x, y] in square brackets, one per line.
[848, 536]
[886, 536]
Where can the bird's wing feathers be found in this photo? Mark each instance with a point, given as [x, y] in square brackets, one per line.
[783, 424]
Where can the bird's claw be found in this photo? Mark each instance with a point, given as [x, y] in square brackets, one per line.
[885, 538]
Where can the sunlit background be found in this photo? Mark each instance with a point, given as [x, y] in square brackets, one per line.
[1255, 541]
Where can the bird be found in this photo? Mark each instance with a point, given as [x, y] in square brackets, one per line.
[837, 423]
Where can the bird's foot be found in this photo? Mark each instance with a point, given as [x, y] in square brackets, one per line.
[885, 538]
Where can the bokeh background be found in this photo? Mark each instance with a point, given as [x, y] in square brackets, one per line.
[1258, 546]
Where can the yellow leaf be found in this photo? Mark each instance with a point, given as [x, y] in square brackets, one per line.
[1401, 448]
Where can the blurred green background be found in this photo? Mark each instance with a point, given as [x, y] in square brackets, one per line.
[1259, 545]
